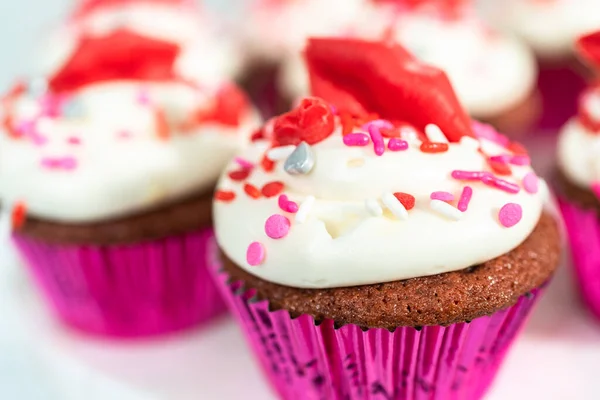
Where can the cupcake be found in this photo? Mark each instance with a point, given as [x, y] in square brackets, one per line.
[578, 182]
[550, 28]
[383, 245]
[494, 75]
[109, 165]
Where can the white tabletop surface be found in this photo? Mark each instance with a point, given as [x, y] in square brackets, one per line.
[557, 357]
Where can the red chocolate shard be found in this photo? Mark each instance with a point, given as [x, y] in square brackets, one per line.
[588, 47]
[366, 77]
[119, 55]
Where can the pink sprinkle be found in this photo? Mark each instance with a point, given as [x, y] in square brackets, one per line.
[491, 180]
[510, 215]
[443, 196]
[277, 226]
[521, 160]
[504, 159]
[287, 205]
[66, 163]
[29, 129]
[530, 183]
[377, 139]
[379, 123]
[396, 144]
[244, 163]
[469, 175]
[51, 105]
[356, 139]
[465, 199]
[74, 140]
[484, 131]
[255, 254]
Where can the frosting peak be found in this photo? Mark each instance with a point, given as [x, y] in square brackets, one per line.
[384, 79]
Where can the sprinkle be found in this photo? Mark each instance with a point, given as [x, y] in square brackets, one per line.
[446, 209]
[18, 215]
[396, 144]
[484, 131]
[465, 198]
[504, 158]
[469, 175]
[510, 215]
[75, 141]
[239, 175]
[143, 96]
[356, 139]
[517, 148]
[301, 161]
[389, 133]
[272, 189]
[409, 134]
[277, 226]
[252, 191]
[521, 160]
[280, 153]
[394, 205]
[499, 167]
[224, 195]
[255, 255]
[66, 163]
[162, 126]
[435, 134]
[267, 164]
[347, 123]
[470, 142]
[407, 200]
[304, 209]
[377, 139]
[429, 147]
[286, 204]
[243, 163]
[257, 135]
[443, 196]
[378, 123]
[530, 183]
[373, 207]
[491, 180]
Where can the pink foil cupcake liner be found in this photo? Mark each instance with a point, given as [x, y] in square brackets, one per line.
[583, 230]
[137, 290]
[306, 360]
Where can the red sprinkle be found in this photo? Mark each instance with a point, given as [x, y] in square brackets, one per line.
[432, 147]
[499, 167]
[162, 127]
[267, 164]
[19, 213]
[407, 200]
[258, 135]
[224, 195]
[239, 175]
[517, 149]
[272, 189]
[252, 191]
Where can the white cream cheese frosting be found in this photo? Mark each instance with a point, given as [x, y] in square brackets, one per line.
[550, 27]
[345, 227]
[491, 73]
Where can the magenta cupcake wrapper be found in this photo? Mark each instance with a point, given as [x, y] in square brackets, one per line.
[136, 290]
[305, 360]
[583, 230]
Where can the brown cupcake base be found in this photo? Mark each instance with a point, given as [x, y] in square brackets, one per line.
[434, 300]
[183, 216]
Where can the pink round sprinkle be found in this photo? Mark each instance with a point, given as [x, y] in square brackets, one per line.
[277, 226]
[255, 254]
[510, 214]
[530, 183]
[396, 144]
[356, 139]
[443, 196]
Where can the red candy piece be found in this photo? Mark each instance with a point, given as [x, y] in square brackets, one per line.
[312, 121]
[252, 191]
[119, 55]
[239, 175]
[272, 189]
[407, 200]
[267, 164]
[364, 77]
[18, 215]
[224, 195]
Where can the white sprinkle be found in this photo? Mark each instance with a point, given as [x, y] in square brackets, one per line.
[373, 207]
[435, 134]
[304, 209]
[470, 142]
[409, 134]
[446, 209]
[395, 206]
[280, 153]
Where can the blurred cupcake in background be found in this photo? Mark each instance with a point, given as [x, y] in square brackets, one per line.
[494, 75]
[550, 27]
[109, 164]
[578, 181]
[384, 245]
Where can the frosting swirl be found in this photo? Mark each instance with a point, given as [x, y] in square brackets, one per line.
[335, 196]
